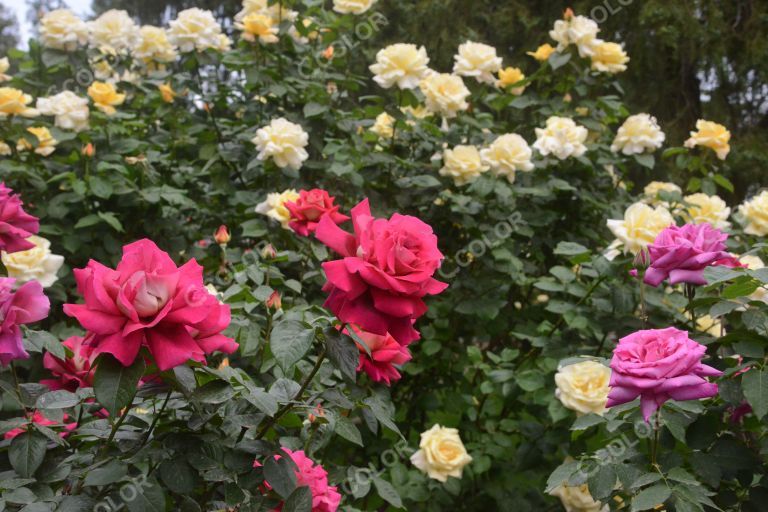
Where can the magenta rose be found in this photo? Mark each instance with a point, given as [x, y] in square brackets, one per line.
[659, 365]
[74, 371]
[26, 305]
[681, 254]
[308, 474]
[309, 208]
[385, 354]
[16, 225]
[149, 302]
[385, 272]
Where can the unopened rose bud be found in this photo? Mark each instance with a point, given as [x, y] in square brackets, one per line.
[88, 150]
[268, 252]
[319, 412]
[274, 301]
[328, 53]
[567, 98]
[224, 363]
[222, 235]
[568, 14]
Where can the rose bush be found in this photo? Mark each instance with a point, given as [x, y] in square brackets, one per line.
[304, 270]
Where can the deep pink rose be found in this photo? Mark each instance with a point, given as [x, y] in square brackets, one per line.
[386, 271]
[38, 419]
[26, 305]
[681, 254]
[324, 497]
[385, 351]
[148, 302]
[16, 225]
[73, 372]
[659, 365]
[309, 208]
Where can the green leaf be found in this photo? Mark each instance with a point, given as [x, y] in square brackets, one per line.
[558, 60]
[561, 475]
[602, 482]
[570, 249]
[650, 497]
[346, 429]
[755, 385]
[27, 452]
[387, 492]
[723, 182]
[314, 109]
[149, 497]
[214, 392]
[587, 421]
[59, 399]
[300, 500]
[343, 353]
[101, 187]
[110, 473]
[43, 340]
[646, 160]
[279, 474]
[178, 476]
[289, 341]
[114, 384]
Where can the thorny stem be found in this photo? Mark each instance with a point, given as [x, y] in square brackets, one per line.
[157, 417]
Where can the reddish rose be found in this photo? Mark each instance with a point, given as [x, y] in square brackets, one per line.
[681, 254]
[149, 302]
[16, 225]
[25, 305]
[38, 419]
[309, 208]
[385, 353]
[308, 474]
[386, 270]
[72, 372]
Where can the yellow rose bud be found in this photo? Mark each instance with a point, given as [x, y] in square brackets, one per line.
[543, 52]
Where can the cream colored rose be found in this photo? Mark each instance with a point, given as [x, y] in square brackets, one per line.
[282, 141]
[477, 60]
[508, 154]
[755, 263]
[276, 11]
[384, 125]
[4, 65]
[441, 453]
[638, 134]
[711, 135]
[352, 6]
[708, 325]
[463, 164]
[5, 149]
[639, 228]
[154, 46]
[417, 112]
[653, 189]
[562, 138]
[583, 387]
[609, 58]
[704, 208]
[196, 29]
[61, 29]
[578, 499]
[36, 264]
[114, 30]
[71, 110]
[404, 65]
[755, 212]
[577, 30]
[444, 94]
[274, 206]
[258, 27]
[44, 144]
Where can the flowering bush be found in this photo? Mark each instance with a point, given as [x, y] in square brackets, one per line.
[253, 267]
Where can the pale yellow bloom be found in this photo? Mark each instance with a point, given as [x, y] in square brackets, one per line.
[258, 26]
[463, 164]
[154, 46]
[46, 144]
[508, 154]
[441, 453]
[711, 135]
[36, 264]
[13, 102]
[609, 58]
[652, 190]
[71, 110]
[755, 212]
[583, 387]
[578, 499]
[197, 29]
[282, 141]
[639, 228]
[704, 208]
[167, 92]
[274, 206]
[445, 94]
[418, 112]
[352, 6]
[5, 149]
[543, 52]
[562, 137]
[61, 29]
[509, 77]
[4, 65]
[576, 30]
[105, 97]
[755, 263]
[404, 65]
[709, 325]
[384, 125]
[477, 60]
[114, 31]
[638, 134]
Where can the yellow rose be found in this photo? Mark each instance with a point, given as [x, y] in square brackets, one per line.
[508, 154]
[418, 112]
[36, 264]
[583, 387]
[352, 6]
[384, 125]
[639, 228]
[609, 58]
[511, 76]
[61, 29]
[711, 135]
[258, 26]
[196, 29]
[441, 453]
[708, 325]
[562, 138]
[704, 208]
[13, 102]
[638, 134]
[4, 65]
[477, 60]
[154, 45]
[274, 206]
[5, 149]
[46, 144]
[578, 499]
[543, 52]
[444, 94]
[166, 92]
[114, 31]
[652, 190]
[404, 65]
[282, 141]
[463, 164]
[755, 263]
[755, 212]
[105, 97]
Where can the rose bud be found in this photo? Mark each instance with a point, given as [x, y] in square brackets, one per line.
[274, 301]
[88, 150]
[222, 235]
[268, 252]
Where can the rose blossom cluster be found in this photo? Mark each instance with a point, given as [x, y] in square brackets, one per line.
[325, 498]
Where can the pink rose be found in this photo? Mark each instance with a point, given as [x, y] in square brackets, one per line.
[386, 270]
[659, 365]
[681, 254]
[38, 419]
[308, 474]
[16, 225]
[73, 372]
[26, 305]
[148, 302]
[385, 351]
[309, 208]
